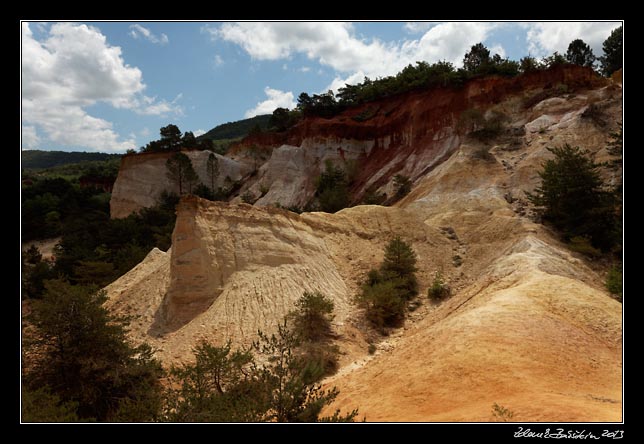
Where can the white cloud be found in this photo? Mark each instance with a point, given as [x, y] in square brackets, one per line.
[30, 139]
[199, 132]
[497, 49]
[73, 68]
[275, 99]
[304, 69]
[546, 38]
[336, 45]
[418, 27]
[137, 31]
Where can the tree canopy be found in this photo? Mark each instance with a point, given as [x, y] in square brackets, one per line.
[579, 53]
[613, 58]
[574, 199]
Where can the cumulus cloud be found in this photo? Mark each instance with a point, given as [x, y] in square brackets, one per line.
[275, 99]
[547, 37]
[73, 68]
[336, 45]
[137, 31]
[30, 139]
[417, 27]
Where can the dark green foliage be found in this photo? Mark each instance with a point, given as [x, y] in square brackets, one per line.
[439, 290]
[41, 405]
[400, 259]
[292, 397]
[80, 351]
[528, 64]
[613, 58]
[371, 349]
[372, 197]
[32, 255]
[231, 386]
[172, 140]
[34, 277]
[384, 303]
[47, 159]
[614, 281]
[219, 387]
[402, 184]
[579, 53]
[204, 192]
[553, 60]
[573, 198]
[180, 171]
[283, 119]
[386, 292]
[248, 197]
[235, 130]
[477, 57]
[312, 316]
[212, 169]
[368, 114]
[332, 189]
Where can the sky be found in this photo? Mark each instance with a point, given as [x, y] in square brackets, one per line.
[110, 86]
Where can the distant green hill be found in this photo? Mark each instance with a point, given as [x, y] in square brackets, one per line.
[48, 159]
[235, 130]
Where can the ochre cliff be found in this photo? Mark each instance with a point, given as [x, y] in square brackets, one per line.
[529, 326]
[142, 178]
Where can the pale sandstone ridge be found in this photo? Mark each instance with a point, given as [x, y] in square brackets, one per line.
[529, 326]
[142, 178]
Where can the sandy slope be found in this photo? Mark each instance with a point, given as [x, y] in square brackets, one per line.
[529, 326]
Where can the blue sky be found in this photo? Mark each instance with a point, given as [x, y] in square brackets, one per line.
[110, 86]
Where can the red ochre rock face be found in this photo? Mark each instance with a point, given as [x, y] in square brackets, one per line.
[409, 134]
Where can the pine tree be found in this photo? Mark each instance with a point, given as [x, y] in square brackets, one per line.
[579, 53]
[80, 352]
[613, 57]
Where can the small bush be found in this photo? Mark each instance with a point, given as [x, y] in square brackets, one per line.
[368, 114]
[501, 413]
[384, 304]
[263, 190]
[582, 245]
[371, 197]
[614, 281]
[312, 316]
[439, 290]
[204, 192]
[248, 197]
[457, 260]
[371, 349]
[402, 184]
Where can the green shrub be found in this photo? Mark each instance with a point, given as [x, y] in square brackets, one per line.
[384, 304]
[312, 316]
[332, 189]
[402, 184]
[573, 197]
[501, 413]
[614, 281]
[439, 290]
[372, 349]
[263, 190]
[248, 197]
[581, 244]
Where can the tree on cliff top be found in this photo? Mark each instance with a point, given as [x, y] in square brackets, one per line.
[612, 59]
[180, 171]
[579, 53]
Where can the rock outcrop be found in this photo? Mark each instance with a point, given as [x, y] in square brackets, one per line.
[529, 326]
[142, 178]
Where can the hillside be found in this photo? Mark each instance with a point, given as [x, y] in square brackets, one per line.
[48, 159]
[235, 130]
[529, 326]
